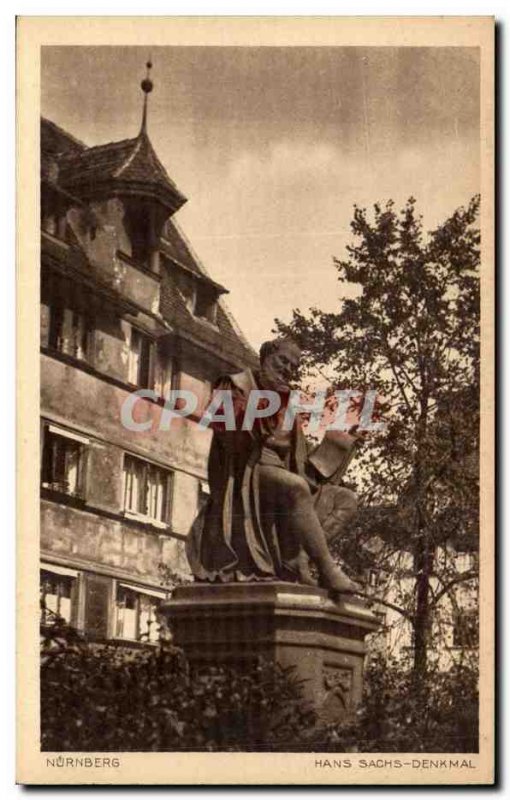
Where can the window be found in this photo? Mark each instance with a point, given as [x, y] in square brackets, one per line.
[140, 229]
[137, 613]
[97, 599]
[49, 223]
[163, 373]
[146, 489]
[70, 332]
[55, 224]
[382, 617]
[464, 562]
[372, 578]
[199, 297]
[376, 578]
[205, 304]
[57, 589]
[187, 286]
[63, 461]
[465, 629]
[140, 359]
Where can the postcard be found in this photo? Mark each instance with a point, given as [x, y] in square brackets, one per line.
[255, 400]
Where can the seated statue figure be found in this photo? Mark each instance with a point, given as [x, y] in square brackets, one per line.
[273, 505]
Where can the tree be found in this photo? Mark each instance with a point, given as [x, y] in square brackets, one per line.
[411, 334]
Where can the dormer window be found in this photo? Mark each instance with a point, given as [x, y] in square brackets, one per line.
[200, 298]
[205, 304]
[187, 287]
[141, 240]
[53, 216]
[143, 227]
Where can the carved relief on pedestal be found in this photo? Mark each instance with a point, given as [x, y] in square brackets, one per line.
[337, 683]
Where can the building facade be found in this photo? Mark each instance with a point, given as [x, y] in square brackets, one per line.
[125, 305]
[454, 607]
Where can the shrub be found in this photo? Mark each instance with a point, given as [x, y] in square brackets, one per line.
[112, 698]
[398, 715]
[109, 697]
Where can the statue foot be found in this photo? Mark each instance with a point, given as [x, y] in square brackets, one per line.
[305, 575]
[306, 578]
[338, 582]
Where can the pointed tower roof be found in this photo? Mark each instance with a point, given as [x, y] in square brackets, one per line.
[129, 167]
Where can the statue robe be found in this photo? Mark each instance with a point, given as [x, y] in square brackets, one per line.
[235, 535]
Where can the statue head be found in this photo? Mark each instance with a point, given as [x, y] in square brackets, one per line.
[279, 360]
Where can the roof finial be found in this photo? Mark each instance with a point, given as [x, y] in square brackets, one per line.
[147, 87]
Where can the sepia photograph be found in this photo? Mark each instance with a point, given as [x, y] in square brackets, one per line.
[264, 313]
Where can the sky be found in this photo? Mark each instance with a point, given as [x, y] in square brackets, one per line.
[273, 147]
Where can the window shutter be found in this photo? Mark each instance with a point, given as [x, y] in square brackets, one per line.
[56, 323]
[152, 365]
[83, 472]
[45, 324]
[134, 355]
[162, 373]
[90, 340]
[97, 605]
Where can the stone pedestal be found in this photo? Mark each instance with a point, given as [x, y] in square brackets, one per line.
[295, 625]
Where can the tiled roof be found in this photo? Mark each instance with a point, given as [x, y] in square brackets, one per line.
[175, 247]
[94, 163]
[228, 342]
[55, 141]
[225, 336]
[125, 163]
[234, 340]
[80, 169]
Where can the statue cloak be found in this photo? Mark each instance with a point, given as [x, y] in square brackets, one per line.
[232, 537]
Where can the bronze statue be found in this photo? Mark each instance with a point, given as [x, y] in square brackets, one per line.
[273, 504]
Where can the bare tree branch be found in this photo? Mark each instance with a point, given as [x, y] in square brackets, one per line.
[381, 602]
[466, 576]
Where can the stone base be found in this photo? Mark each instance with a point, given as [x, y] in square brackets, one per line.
[295, 625]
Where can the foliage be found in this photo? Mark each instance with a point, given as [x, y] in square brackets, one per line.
[109, 698]
[400, 716]
[170, 578]
[408, 328]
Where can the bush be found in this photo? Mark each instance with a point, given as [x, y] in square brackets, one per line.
[112, 698]
[108, 697]
[439, 715]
